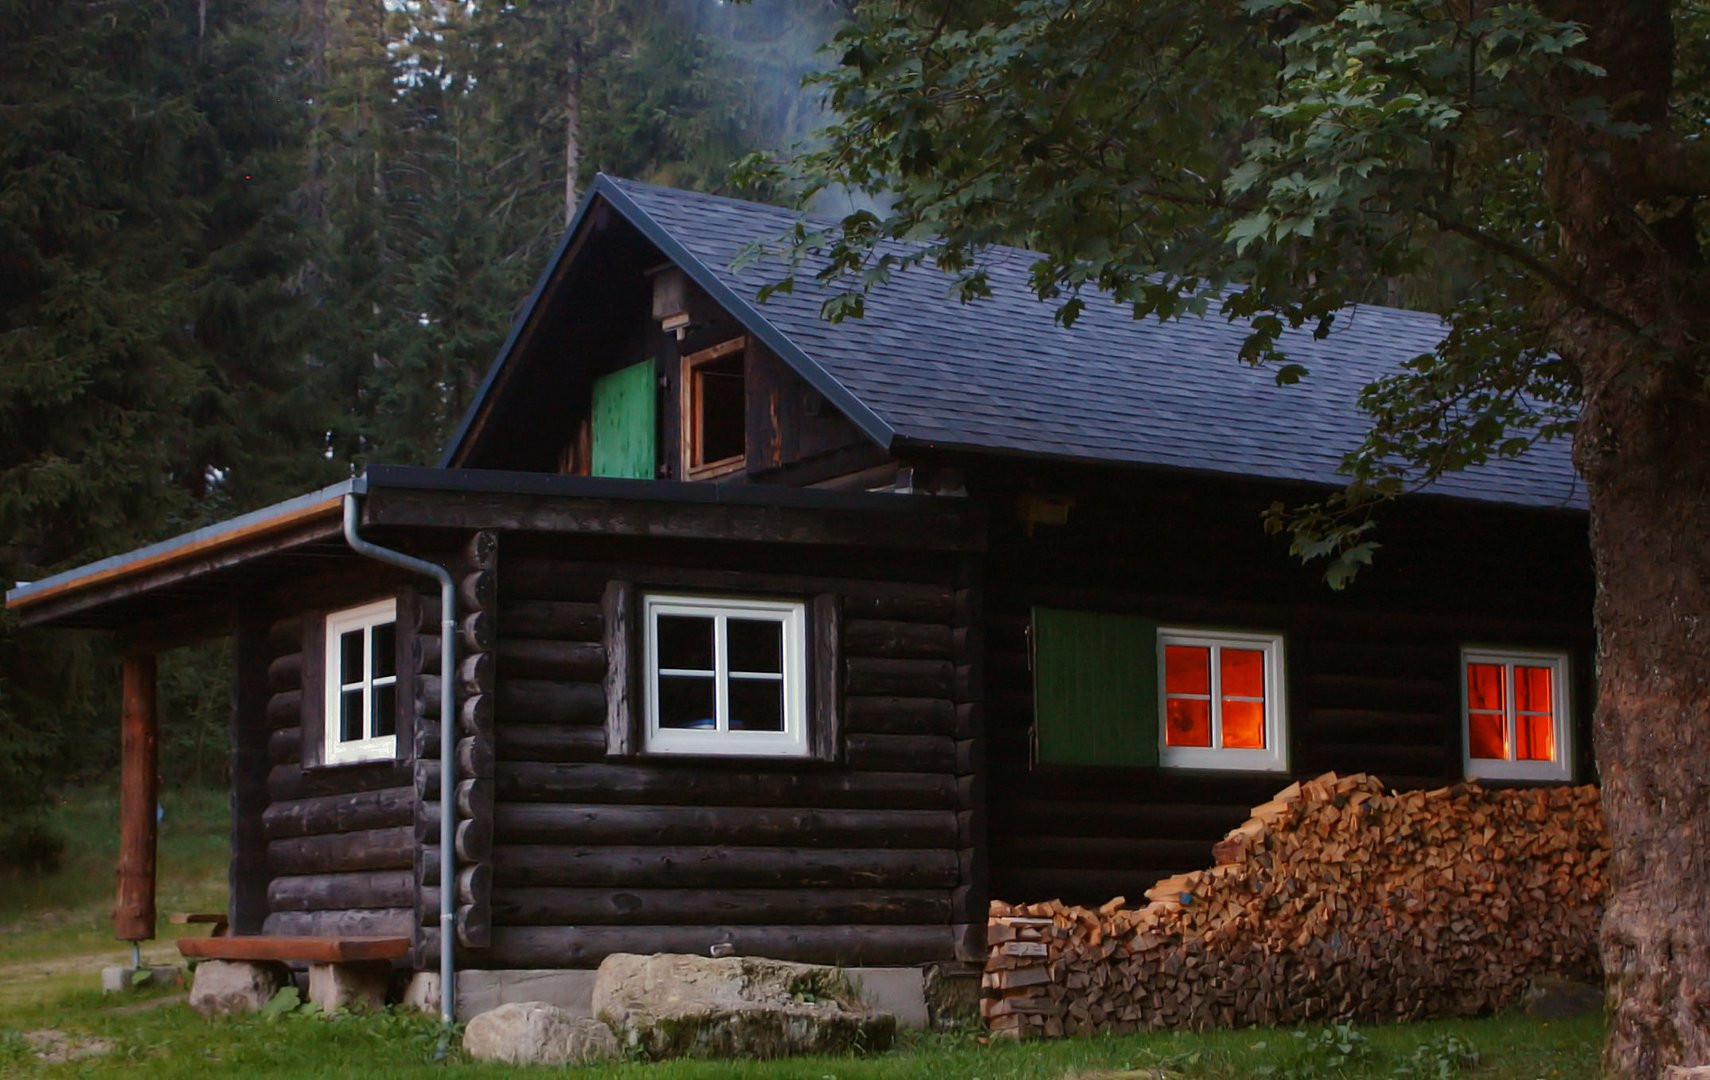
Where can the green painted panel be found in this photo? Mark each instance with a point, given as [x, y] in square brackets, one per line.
[1095, 688]
[623, 429]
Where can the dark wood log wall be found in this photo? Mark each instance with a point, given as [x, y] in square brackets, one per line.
[1372, 674]
[476, 570]
[339, 841]
[859, 860]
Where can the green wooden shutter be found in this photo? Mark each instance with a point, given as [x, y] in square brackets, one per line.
[1095, 688]
[623, 428]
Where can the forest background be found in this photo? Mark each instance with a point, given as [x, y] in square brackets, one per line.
[249, 246]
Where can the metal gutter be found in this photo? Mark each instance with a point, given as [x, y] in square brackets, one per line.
[447, 744]
[322, 504]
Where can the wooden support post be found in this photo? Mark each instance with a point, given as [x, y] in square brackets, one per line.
[139, 790]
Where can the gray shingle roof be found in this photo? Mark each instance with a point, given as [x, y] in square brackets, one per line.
[1001, 375]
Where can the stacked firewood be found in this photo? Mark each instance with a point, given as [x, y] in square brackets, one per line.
[1334, 902]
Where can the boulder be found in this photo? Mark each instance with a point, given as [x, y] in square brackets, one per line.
[738, 1006]
[231, 986]
[535, 1033]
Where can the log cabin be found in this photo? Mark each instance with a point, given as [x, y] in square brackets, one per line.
[806, 639]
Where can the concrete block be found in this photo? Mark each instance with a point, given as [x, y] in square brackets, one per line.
[900, 991]
[118, 979]
[482, 991]
[353, 987]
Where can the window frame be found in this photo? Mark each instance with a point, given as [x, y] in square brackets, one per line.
[689, 412]
[791, 614]
[1558, 769]
[1274, 756]
[368, 617]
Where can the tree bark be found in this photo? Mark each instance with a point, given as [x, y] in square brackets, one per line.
[1641, 447]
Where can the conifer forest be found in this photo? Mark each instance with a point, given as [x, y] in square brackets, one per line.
[248, 246]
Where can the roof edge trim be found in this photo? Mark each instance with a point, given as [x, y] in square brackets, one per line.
[327, 502]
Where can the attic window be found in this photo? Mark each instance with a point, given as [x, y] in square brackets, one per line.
[715, 403]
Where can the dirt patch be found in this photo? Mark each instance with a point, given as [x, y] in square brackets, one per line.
[56, 1047]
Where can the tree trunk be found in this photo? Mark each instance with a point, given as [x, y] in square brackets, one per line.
[1637, 335]
[573, 130]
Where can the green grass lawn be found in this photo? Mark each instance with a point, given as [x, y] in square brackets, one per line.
[56, 936]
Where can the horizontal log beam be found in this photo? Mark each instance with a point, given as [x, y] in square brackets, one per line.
[368, 849]
[536, 658]
[335, 892]
[381, 809]
[667, 867]
[683, 907]
[553, 619]
[586, 946]
[662, 784]
[548, 823]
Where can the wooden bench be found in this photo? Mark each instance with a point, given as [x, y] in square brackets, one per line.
[351, 972]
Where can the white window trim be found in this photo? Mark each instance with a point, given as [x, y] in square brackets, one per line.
[792, 741]
[1274, 757]
[375, 747]
[1560, 768]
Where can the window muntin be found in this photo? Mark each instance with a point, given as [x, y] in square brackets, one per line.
[1220, 700]
[361, 683]
[725, 676]
[1514, 709]
[715, 410]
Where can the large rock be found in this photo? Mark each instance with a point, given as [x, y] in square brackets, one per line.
[535, 1033]
[232, 986]
[739, 1006]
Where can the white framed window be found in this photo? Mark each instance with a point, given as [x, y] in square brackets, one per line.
[361, 683]
[1220, 700]
[725, 676]
[1515, 715]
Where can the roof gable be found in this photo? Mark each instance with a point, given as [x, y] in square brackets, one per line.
[1001, 375]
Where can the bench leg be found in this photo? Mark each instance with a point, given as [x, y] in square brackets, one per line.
[355, 986]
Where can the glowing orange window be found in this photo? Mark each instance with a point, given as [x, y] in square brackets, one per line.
[1516, 716]
[1219, 695]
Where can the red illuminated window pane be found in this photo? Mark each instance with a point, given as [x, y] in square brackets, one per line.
[1244, 724]
[1484, 688]
[1243, 672]
[1487, 736]
[1532, 689]
[1187, 669]
[1187, 722]
[1534, 737]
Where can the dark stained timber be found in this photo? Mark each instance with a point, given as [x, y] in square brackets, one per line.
[664, 784]
[682, 907]
[558, 823]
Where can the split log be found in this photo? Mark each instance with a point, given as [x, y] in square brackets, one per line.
[366, 849]
[554, 620]
[716, 866]
[660, 784]
[330, 892]
[538, 701]
[345, 813]
[678, 907]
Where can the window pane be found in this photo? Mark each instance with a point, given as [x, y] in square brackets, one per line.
[756, 704]
[1484, 688]
[1532, 689]
[1487, 736]
[756, 645]
[686, 641]
[721, 406]
[385, 707]
[1534, 736]
[350, 656]
[1187, 670]
[1187, 722]
[385, 650]
[1244, 724]
[686, 702]
[1243, 673]
[350, 714]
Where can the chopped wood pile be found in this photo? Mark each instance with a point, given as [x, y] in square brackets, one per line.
[1334, 902]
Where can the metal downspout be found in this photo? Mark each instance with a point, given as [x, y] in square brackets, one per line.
[447, 744]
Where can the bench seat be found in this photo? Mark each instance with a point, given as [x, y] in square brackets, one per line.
[344, 949]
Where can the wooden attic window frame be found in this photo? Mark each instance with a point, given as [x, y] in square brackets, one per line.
[694, 467]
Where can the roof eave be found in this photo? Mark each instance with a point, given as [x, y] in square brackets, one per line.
[605, 189]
